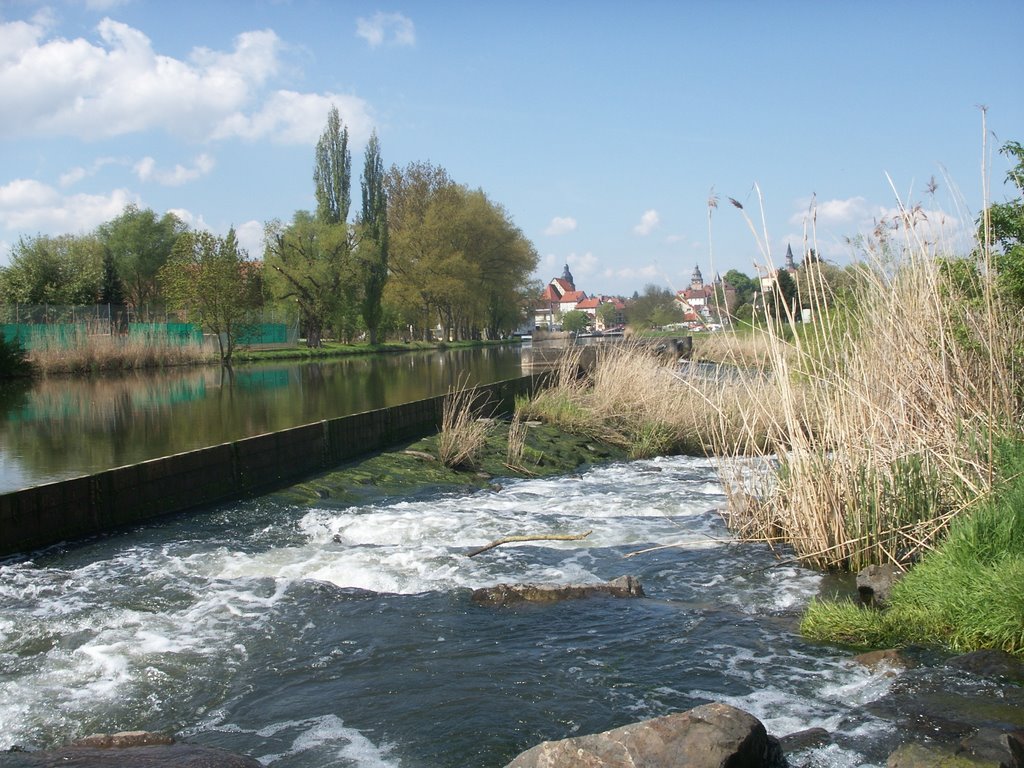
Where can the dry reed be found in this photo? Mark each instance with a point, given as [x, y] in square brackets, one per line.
[878, 417]
[87, 353]
[464, 433]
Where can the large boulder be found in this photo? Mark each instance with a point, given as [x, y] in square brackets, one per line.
[709, 736]
[504, 594]
[130, 749]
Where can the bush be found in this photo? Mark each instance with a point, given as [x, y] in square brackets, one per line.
[13, 360]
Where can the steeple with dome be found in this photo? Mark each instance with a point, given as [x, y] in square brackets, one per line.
[567, 276]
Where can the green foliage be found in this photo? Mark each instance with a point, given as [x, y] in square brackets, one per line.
[966, 594]
[373, 250]
[140, 244]
[575, 321]
[210, 279]
[456, 258]
[1006, 222]
[332, 174]
[13, 360]
[654, 308]
[62, 270]
[309, 262]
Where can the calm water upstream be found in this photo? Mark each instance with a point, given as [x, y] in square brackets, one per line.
[64, 427]
[322, 636]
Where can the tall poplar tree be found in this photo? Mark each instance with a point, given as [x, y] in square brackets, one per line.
[373, 247]
[333, 172]
[309, 260]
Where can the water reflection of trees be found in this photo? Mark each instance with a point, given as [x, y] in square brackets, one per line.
[63, 426]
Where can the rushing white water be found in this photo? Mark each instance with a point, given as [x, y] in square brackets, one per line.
[345, 636]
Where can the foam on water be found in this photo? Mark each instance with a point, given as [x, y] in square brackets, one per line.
[155, 628]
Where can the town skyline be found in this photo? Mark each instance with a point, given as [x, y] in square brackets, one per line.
[615, 138]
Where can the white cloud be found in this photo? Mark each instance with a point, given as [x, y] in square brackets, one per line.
[146, 170]
[832, 212]
[288, 117]
[582, 264]
[74, 175]
[560, 225]
[391, 28]
[120, 85]
[29, 205]
[631, 273]
[647, 223]
[250, 238]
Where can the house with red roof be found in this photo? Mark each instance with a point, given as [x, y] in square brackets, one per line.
[559, 296]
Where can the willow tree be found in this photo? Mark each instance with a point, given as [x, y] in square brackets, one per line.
[373, 244]
[458, 259]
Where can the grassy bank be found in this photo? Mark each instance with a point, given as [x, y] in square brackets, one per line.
[966, 594]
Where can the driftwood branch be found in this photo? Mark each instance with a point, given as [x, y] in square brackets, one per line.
[540, 537]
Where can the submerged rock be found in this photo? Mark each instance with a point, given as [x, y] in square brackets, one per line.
[710, 736]
[505, 594]
[990, 663]
[890, 657]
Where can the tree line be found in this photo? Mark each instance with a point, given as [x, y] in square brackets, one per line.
[422, 253]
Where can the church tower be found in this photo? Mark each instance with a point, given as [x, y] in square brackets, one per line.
[697, 280]
[567, 276]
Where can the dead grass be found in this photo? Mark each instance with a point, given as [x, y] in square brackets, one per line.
[93, 353]
[464, 432]
[879, 419]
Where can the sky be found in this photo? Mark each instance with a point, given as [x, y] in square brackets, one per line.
[604, 129]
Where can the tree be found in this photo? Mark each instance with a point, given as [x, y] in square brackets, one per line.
[782, 299]
[608, 312]
[373, 246]
[456, 257]
[310, 260]
[1006, 228]
[332, 175]
[575, 321]
[655, 307]
[210, 278]
[111, 289]
[140, 244]
[62, 270]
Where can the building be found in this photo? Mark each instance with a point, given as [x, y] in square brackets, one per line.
[559, 296]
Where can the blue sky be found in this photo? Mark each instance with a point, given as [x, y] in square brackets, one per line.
[601, 127]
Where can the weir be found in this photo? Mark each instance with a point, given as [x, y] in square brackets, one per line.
[92, 504]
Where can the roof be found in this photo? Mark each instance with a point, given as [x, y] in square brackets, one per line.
[574, 296]
[592, 303]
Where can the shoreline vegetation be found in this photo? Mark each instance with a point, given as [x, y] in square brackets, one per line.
[103, 354]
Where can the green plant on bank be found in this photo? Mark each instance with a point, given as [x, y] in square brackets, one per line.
[966, 594]
[13, 360]
[464, 432]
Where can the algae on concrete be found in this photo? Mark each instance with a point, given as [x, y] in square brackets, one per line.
[413, 469]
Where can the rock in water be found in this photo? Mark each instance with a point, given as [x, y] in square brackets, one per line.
[505, 594]
[710, 736]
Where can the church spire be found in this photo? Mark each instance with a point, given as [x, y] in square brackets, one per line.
[567, 276]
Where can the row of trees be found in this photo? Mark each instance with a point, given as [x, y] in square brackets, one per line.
[422, 252]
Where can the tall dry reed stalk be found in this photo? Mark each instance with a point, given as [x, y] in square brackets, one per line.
[463, 432]
[879, 416]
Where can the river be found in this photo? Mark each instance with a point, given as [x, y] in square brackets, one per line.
[326, 636]
[64, 427]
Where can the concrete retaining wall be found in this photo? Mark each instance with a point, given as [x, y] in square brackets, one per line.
[84, 506]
